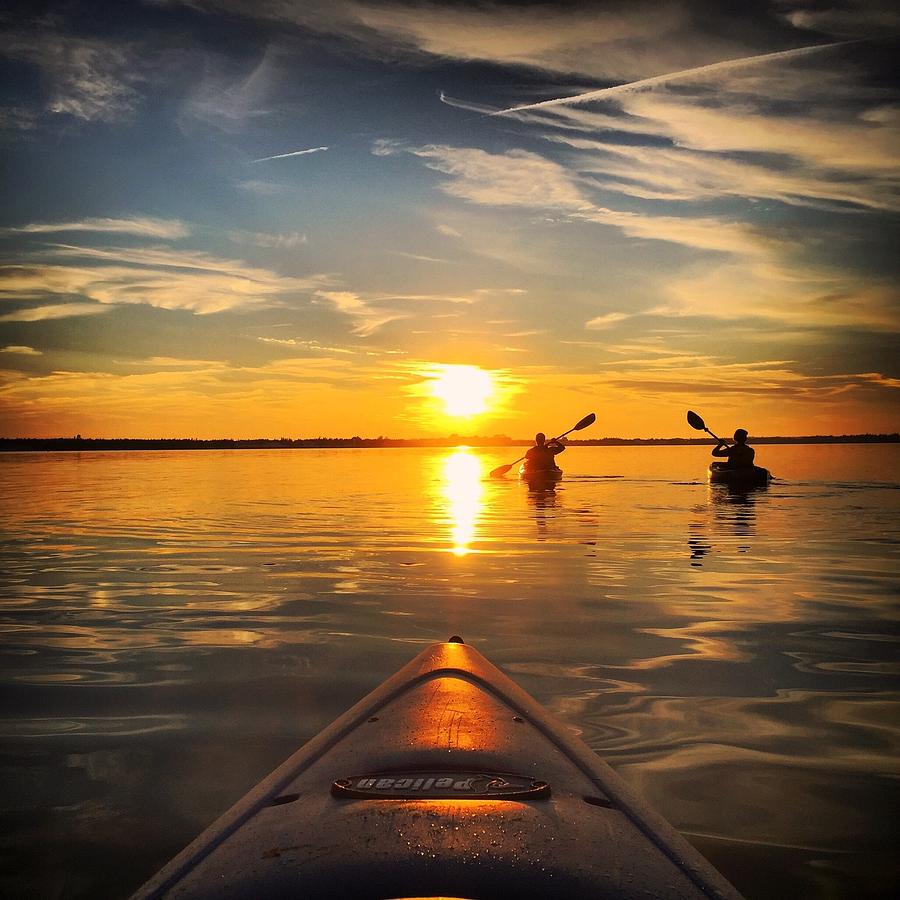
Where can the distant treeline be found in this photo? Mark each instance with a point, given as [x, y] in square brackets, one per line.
[82, 444]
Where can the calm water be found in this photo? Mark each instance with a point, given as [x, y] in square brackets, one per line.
[175, 624]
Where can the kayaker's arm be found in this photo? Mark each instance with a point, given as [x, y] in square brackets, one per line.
[556, 446]
[721, 449]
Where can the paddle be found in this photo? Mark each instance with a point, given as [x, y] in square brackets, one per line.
[589, 419]
[696, 422]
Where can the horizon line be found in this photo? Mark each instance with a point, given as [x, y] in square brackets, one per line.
[451, 439]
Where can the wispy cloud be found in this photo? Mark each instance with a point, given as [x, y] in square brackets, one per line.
[55, 311]
[230, 98]
[372, 311]
[514, 178]
[541, 35]
[606, 320]
[776, 379]
[262, 187]
[681, 174]
[802, 296]
[20, 350]
[205, 398]
[368, 318]
[141, 226]
[156, 276]
[520, 178]
[292, 153]
[848, 18]
[17, 118]
[417, 256]
[91, 79]
[294, 343]
[284, 241]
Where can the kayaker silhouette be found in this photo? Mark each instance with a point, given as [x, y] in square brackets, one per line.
[542, 455]
[739, 454]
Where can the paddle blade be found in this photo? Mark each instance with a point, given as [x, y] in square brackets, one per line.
[589, 419]
[500, 471]
[695, 421]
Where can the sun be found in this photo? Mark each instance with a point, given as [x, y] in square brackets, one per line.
[464, 390]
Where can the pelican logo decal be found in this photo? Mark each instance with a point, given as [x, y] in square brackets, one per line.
[440, 786]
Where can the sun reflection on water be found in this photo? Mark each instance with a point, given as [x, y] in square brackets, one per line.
[462, 490]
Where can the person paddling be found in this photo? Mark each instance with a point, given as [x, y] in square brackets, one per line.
[739, 454]
[542, 455]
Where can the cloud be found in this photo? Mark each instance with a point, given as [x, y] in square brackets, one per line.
[606, 320]
[539, 35]
[514, 178]
[54, 311]
[156, 276]
[520, 178]
[807, 126]
[262, 187]
[777, 380]
[284, 241]
[374, 310]
[292, 153]
[680, 174]
[171, 362]
[17, 118]
[141, 226]
[851, 144]
[305, 345]
[88, 78]
[416, 256]
[388, 147]
[21, 351]
[368, 319]
[229, 100]
[847, 18]
[807, 298]
[205, 398]
[810, 134]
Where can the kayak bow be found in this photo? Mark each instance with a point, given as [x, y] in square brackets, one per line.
[447, 780]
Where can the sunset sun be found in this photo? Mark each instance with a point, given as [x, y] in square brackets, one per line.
[463, 390]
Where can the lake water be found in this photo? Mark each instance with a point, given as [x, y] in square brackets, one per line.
[176, 624]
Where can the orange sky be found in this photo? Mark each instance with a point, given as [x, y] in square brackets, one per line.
[284, 225]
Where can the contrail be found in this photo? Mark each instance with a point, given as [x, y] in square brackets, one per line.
[286, 155]
[465, 104]
[603, 93]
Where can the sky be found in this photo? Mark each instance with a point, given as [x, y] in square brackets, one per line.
[265, 218]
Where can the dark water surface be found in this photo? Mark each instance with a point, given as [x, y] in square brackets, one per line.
[176, 624]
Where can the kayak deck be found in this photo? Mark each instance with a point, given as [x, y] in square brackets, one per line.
[447, 780]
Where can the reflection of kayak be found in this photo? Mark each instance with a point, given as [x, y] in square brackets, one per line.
[748, 476]
[447, 780]
[540, 476]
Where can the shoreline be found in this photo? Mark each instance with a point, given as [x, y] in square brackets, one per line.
[8, 445]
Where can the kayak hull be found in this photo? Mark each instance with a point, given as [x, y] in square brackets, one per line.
[749, 476]
[448, 780]
[541, 476]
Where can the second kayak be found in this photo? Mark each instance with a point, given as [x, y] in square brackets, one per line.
[540, 476]
[748, 476]
[447, 780]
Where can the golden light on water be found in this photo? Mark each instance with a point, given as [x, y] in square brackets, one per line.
[462, 489]
[464, 390]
